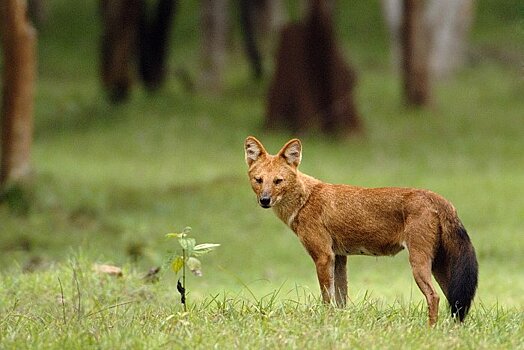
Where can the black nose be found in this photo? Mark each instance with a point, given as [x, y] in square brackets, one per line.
[265, 201]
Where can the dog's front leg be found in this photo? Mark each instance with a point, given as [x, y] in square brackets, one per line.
[341, 282]
[319, 245]
[325, 264]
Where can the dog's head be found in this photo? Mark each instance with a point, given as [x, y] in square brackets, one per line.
[272, 177]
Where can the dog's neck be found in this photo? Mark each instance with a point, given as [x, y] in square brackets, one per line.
[289, 207]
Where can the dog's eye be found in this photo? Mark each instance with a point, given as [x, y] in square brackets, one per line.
[258, 180]
[277, 181]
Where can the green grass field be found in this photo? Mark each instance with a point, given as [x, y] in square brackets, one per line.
[110, 181]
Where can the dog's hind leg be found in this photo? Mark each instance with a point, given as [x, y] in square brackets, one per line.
[421, 267]
[421, 240]
[341, 284]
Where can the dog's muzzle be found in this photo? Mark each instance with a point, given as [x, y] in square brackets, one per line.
[265, 202]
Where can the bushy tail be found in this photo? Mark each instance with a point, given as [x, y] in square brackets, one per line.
[464, 275]
[457, 266]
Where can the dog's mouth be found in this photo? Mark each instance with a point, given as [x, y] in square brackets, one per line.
[265, 206]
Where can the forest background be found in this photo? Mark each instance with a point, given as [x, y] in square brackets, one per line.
[110, 180]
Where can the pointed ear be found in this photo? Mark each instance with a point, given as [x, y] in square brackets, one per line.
[253, 150]
[292, 152]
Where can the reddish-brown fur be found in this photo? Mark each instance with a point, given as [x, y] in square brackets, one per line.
[333, 221]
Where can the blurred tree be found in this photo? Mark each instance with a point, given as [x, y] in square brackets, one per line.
[37, 10]
[248, 12]
[155, 26]
[214, 26]
[120, 20]
[444, 27]
[312, 85]
[258, 18]
[19, 57]
[449, 23]
[415, 50]
[135, 31]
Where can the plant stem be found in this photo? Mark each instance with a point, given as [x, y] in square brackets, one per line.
[184, 277]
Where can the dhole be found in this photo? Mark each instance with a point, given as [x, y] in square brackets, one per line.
[333, 221]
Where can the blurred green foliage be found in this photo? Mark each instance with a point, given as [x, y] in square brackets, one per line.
[109, 179]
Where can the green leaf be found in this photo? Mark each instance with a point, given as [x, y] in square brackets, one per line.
[174, 235]
[187, 244]
[195, 266]
[204, 248]
[177, 264]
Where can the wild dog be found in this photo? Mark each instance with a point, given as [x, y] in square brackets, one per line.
[334, 221]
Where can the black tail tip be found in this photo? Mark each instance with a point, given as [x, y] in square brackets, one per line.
[459, 311]
[463, 290]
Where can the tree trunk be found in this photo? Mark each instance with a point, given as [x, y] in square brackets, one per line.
[249, 9]
[259, 19]
[392, 11]
[415, 54]
[19, 48]
[119, 39]
[154, 29]
[37, 10]
[274, 15]
[313, 84]
[214, 39]
[448, 23]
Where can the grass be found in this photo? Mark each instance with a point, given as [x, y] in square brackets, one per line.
[74, 307]
[112, 180]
